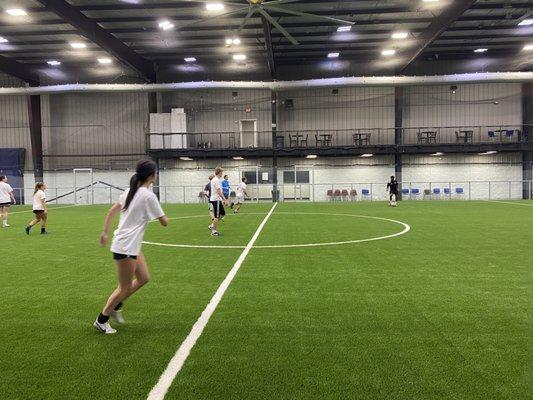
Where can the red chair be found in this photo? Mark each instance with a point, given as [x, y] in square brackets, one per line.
[353, 195]
[344, 195]
[337, 194]
[329, 194]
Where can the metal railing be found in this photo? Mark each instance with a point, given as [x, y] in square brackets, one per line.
[314, 192]
[357, 137]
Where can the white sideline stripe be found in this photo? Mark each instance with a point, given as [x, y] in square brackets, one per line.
[510, 202]
[159, 391]
[50, 208]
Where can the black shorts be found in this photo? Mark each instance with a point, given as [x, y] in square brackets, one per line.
[38, 212]
[118, 256]
[218, 209]
[5, 204]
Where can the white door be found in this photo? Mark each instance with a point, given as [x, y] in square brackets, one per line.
[248, 129]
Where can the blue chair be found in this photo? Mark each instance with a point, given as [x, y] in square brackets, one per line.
[447, 193]
[405, 193]
[459, 192]
[492, 135]
[365, 193]
[509, 133]
[436, 193]
[415, 193]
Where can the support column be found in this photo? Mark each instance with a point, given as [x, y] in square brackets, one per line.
[527, 131]
[152, 108]
[398, 132]
[36, 135]
[274, 109]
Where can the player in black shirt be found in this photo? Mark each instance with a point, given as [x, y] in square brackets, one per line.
[392, 187]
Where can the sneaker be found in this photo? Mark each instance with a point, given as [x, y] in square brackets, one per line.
[6, 225]
[210, 227]
[117, 316]
[27, 229]
[231, 206]
[215, 233]
[104, 328]
[44, 233]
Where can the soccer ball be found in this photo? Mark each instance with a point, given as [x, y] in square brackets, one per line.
[393, 202]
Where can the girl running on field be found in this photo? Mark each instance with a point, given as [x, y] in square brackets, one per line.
[137, 206]
[6, 199]
[40, 209]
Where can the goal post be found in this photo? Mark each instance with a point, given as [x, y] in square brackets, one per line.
[84, 187]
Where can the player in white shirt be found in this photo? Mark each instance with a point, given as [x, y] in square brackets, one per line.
[137, 206]
[40, 208]
[217, 200]
[242, 193]
[6, 199]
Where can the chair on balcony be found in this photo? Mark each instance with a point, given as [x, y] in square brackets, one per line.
[353, 195]
[293, 141]
[491, 135]
[509, 134]
[319, 142]
[305, 142]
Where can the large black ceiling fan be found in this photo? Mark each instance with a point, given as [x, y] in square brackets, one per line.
[262, 8]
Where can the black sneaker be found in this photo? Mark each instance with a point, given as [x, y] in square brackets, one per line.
[215, 233]
[231, 206]
[44, 233]
[27, 229]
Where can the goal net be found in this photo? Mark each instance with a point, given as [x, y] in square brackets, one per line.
[83, 186]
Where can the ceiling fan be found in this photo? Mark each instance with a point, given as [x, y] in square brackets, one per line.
[262, 7]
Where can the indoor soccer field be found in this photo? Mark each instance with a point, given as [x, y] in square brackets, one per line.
[429, 300]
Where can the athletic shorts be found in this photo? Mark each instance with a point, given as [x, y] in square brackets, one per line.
[38, 212]
[5, 204]
[118, 256]
[210, 207]
[240, 199]
[218, 209]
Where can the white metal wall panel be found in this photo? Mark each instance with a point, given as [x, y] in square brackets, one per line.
[14, 125]
[472, 105]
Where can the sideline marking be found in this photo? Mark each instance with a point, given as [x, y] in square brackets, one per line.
[510, 202]
[50, 208]
[406, 228]
[159, 391]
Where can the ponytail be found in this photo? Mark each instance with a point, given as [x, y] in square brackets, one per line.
[38, 186]
[145, 169]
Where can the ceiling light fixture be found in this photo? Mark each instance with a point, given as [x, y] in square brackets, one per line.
[53, 63]
[239, 57]
[238, 158]
[528, 47]
[431, 1]
[438, 153]
[526, 22]
[480, 50]
[105, 61]
[166, 25]
[214, 6]
[190, 59]
[16, 12]
[367, 155]
[186, 159]
[235, 41]
[344, 28]
[388, 52]
[399, 35]
[488, 153]
[333, 55]
[312, 156]
[3, 40]
[78, 45]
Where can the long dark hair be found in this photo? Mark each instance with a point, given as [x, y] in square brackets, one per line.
[38, 186]
[144, 170]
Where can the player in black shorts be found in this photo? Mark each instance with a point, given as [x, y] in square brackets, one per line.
[392, 187]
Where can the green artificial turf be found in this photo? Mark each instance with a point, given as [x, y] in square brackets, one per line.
[442, 312]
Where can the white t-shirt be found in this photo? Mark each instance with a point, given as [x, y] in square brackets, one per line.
[5, 190]
[37, 200]
[215, 186]
[241, 187]
[144, 207]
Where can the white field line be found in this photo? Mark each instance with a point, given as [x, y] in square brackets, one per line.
[510, 202]
[50, 208]
[159, 391]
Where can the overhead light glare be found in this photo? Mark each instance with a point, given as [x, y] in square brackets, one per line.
[367, 155]
[345, 28]
[333, 55]
[214, 6]
[528, 47]
[399, 35]
[438, 153]
[480, 50]
[105, 61]
[16, 12]
[239, 57]
[431, 1]
[53, 63]
[190, 59]
[311, 156]
[166, 25]
[78, 45]
[488, 153]
[186, 159]
[238, 158]
[526, 22]
[388, 52]
[3, 40]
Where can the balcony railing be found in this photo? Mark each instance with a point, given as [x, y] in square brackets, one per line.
[335, 138]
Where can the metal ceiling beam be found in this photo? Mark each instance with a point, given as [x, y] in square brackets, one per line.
[268, 47]
[94, 32]
[450, 14]
[18, 70]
